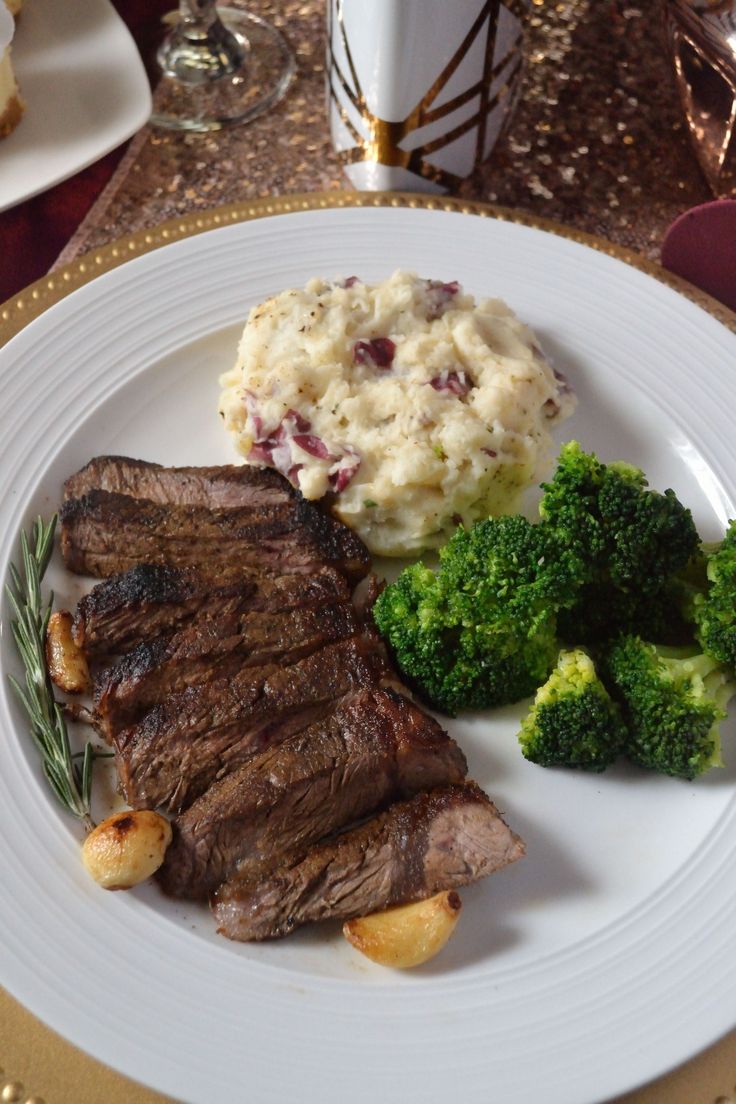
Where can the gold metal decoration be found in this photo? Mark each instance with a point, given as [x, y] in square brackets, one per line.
[19, 310]
[14, 1092]
[702, 37]
[381, 140]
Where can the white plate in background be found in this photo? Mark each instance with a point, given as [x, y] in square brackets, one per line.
[604, 957]
[85, 91]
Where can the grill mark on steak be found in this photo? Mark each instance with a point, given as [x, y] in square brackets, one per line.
[151, 600]
[219, 488]
[103, 533]
[256, 703]
[373, 748]
[435, 841]
[217, 647]
[188, 741]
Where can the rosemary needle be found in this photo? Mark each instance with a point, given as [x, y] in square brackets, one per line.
[70, 780]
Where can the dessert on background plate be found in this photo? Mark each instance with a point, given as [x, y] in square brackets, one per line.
[11, 104]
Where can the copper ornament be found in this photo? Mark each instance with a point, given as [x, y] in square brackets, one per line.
[702, 38]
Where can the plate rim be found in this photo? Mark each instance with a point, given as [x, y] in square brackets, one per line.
[358, 204]
[21, 309]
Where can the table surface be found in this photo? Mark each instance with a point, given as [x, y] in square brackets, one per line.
[598, 142]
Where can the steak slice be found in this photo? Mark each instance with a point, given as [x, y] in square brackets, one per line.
[218, 488]
[216, 647]
[151, 600]
[182, 745]
[104, 533]
[373, 748]
[439, 840]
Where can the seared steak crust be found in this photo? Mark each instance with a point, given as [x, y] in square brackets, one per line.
[439, 840]
[192, 738]
[374, 748]
[216, 647]
[151, 600]
[252, 698]
[219, 488]
[104, 533]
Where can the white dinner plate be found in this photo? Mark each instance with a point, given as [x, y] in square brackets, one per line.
[85, 91]
[604, 957]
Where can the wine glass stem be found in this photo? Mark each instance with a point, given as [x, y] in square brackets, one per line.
[200, 49]
[197, 13]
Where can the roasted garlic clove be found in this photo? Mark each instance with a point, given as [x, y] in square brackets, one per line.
[65, 660]
[126, 848]
[407, 935]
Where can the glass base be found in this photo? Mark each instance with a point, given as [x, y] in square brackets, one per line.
[197, 92]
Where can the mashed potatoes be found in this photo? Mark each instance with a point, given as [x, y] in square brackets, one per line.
[409, 404]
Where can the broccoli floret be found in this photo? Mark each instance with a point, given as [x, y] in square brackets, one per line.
[672, 703]
[602, 612]
[570, 505]
[573, 721]
[481, 631]
[628, 535]
[511, 565]
[411, 614]
[714, 607]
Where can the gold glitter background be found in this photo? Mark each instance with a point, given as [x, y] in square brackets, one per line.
[598, 141]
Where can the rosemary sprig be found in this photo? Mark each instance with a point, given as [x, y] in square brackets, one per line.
[70, 781]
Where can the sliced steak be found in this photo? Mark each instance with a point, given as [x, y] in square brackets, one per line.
[152, 600]
[216, 647]
[219, 488]
[182, 745]
[104, 533]
[373, 748]
[439, 840]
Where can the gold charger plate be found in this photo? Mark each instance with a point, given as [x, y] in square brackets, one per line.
[36, 1065]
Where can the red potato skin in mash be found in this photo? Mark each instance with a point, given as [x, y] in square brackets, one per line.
[408, 403]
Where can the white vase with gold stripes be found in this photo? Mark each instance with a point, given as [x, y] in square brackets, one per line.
[420, 90]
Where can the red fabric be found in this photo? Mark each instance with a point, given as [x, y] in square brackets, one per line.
[700, 246]
[33, 234]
